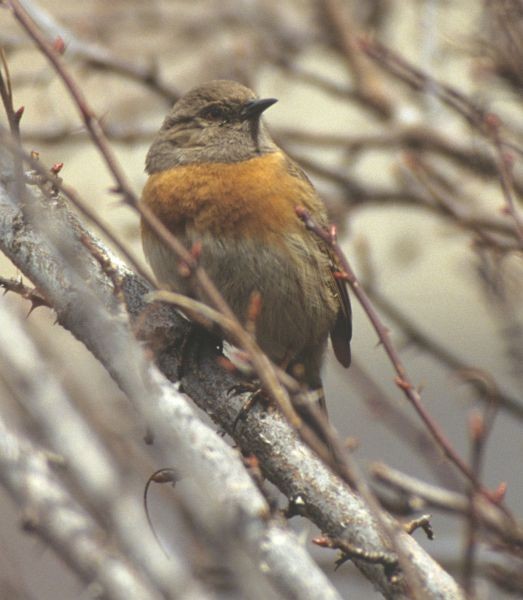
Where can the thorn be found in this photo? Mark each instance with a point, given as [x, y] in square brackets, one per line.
[492, 121]
[340, 275]
[476, 426]
[322, 541]
[56, 168]
[402, 384]
[333, 234]
[184, 270]
[499, 493]
[59, 45]
[34, 305]
[196, 250]
[18, 114]
[301, 212]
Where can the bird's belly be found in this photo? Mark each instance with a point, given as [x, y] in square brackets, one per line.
[297, 309]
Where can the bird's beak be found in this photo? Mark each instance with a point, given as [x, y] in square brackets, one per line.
[254, 108]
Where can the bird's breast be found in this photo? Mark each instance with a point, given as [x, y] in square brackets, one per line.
[255, 198]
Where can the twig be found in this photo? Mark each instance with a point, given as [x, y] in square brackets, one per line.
[402, 380]
[506, 177]
[344, 35]
[445, 194]
[70, 193]
[480, 426]
[398, 66]
[6, 93]
[99, 56]
[53, 133]
[509, 579]
[416, 138]
[471, 523]
[349, 552]
[13, 118]
[427, 495]
[18, 287]
[402, 424]
[422, 522]
[54, 515]
[483, 382]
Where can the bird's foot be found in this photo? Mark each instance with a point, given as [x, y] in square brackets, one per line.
[256, 394]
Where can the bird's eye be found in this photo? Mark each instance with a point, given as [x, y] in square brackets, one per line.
[214, 113]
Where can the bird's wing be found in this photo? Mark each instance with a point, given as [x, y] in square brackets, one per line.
[341, 333]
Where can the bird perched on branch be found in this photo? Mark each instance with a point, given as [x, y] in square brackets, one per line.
[218, 179]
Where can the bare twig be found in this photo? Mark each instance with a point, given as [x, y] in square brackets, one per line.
[505, 173]
[425, 495]
[98, 56]
[484, 385]
[69, 192]
[422, 522]
[18, 287]
[400, 68]
[52, 514]
[407, 430]
[402, 380]
[342, 31]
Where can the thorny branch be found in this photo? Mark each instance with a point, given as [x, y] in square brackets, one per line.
[402, 381]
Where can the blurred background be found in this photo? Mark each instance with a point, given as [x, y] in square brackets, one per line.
[403, 156]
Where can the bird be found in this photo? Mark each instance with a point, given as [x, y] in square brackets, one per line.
[216, 178]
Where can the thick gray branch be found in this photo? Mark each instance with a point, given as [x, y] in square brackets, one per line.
[232, 508]
[50, 511]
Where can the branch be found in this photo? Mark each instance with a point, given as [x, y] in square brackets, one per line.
[425, 495]
[402, 379]
[93, 315]
[484, 383]
[50, 512]
[98, 56]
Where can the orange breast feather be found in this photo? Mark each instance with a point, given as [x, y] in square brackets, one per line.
[256, 197]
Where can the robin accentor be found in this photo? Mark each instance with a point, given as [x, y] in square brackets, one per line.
[216, 177]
